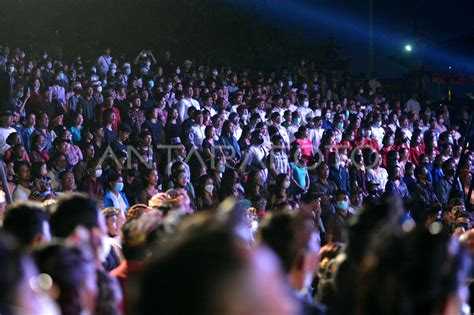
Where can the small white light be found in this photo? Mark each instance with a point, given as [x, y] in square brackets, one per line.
[435, 228]
[450, 67]
[408, 47]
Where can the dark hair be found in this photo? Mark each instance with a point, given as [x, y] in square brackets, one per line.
[287, 235]
[19, 164]
[67, 266]
[25, 222]
[211, 250]
[427, 272]
[71, 211]
[11, 269]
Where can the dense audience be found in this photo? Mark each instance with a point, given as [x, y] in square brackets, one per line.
[149, 186]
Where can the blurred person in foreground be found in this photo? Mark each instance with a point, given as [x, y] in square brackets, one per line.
[19, 290]
[294, 239]
[207, 269]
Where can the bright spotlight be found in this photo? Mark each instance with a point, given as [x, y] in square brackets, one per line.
[408, 48]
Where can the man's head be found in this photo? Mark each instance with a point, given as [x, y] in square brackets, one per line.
[28, 222]
[294, 240]
[227, 277]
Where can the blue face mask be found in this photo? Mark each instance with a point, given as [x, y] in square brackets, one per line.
[297, 121]
[378, 124]
[151, 84]
[340, 125]
[118, 187]
[343, 204]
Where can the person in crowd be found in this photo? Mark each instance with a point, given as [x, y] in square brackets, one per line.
[17, 294]
[28, 222]
[114, 195]
[294, 239]
[242, 291]
[206, 197]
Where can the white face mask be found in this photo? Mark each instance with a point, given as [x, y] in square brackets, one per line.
[209, 188]
[98, 173]
[290, 83]
[214, 73]
[113, 70]
[306, 103]
[286, 184]
[11, 70]
[178, 70]
[99, 89]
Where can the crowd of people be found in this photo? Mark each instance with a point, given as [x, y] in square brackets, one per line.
[148, 186]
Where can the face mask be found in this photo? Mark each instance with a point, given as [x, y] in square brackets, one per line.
[343, 204]
[340, 125]
[45, 56]
[280, 84]
[11, 70]
[328, 115]
[297, 121]
[306, 103]
[118, 187]
[178, 71]
[338, 137]
[128, 71]
[61, 76]
[99, 88]
[104, 82]
[290, 83]
[286, 184]
[140, 83]
[214, 73]
[305, 86]
[113, 70]
[93, 70]
[22, 55]
[245, 117]
[98, 173]
[378, 124]
[450, 140]
[209, 188]
[369, 133]
[151, 84]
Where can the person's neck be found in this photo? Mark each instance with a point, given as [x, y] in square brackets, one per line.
[25, 183]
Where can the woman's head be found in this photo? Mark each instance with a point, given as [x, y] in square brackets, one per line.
[116, 182]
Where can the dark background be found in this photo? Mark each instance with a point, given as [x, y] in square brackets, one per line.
[260, 33]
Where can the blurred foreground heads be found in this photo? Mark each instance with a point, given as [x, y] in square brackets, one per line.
[206, 268]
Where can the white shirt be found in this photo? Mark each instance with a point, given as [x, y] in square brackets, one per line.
[21, 193]
[104, 63]
[283, 134]
[4, 133]
[379, 176]
[378, 133]
[183, 105]
[211, 110]
[315, 135]
[305, 111]
[292, 129]
[413, 106]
